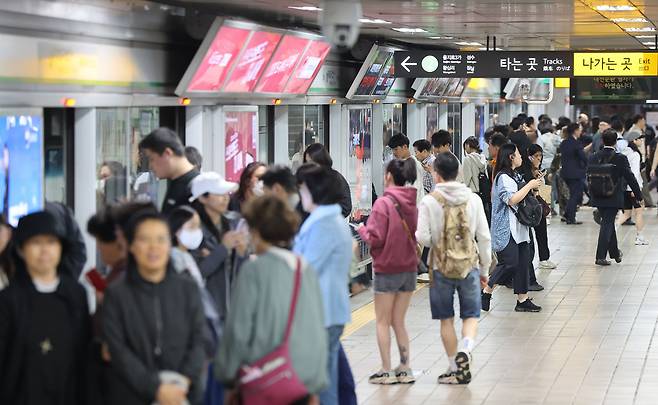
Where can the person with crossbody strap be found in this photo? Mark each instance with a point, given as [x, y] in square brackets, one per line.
[452, 222]
[390, 235]
[276, 318]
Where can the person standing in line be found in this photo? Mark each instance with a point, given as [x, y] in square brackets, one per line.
[423, 153]
[443, 216]
[153, 323]
[262, 302]
[166, 156]
[399, 144]
[317, 153]
[390, 233]
[325, 241]
[631, 207]
[620, 175]
[574, 165]
[510, 238]
[532, 170]
[45, 327]
[194, 156]
[279, 181]
[249, 187]
[474, 164]
[441, 143]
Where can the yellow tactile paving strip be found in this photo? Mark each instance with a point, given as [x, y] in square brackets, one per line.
[364, 315]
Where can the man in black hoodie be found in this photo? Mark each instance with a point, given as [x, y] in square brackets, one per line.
[45, 328]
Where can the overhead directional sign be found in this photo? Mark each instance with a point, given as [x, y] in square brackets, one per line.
[521, 64]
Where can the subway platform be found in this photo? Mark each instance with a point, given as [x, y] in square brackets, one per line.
[595, 342]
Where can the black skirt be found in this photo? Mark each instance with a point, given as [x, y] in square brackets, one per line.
[629, 201]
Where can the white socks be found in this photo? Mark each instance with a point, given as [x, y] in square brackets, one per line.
[467, 344]
[453, 364]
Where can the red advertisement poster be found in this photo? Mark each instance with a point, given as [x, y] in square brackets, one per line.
[282, 65]
[308, 68]
[241, 141]
[218, 60]
[253, 61]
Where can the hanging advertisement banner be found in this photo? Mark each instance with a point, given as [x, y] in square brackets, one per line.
[241, 137]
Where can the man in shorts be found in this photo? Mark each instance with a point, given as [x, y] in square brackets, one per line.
[434, 230]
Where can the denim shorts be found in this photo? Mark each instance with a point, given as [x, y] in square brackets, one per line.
[442, 293]
[394, 282]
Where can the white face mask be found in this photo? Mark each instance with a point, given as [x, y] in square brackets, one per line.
[294, 201]
[190, 238]
[258, 189]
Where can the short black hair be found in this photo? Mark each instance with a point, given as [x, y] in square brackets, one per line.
[162, 139]
[498, 139]
[572, 128]
[318, 154]
[398, 139]
[423, 145]
[402, 171]
[441, 138]
[446, 165]
[130, 228]
[545, 126]
[637, 118]
[194, 156]
[503, 129]
[516, 123]
[102, 226]
[321, 182]
[545, 117]
[281, 175]
[530, 121]
[123, 212]
[617, 124]
[177, 218]
[609, 137]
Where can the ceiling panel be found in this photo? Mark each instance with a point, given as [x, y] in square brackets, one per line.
[518, 24]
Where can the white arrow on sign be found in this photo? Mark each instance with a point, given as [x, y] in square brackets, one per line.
[406, 63]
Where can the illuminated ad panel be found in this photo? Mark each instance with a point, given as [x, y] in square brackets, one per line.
[308, 68]
[283, 63]
[252, 63]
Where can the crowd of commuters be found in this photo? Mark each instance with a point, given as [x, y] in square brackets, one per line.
[237, 293]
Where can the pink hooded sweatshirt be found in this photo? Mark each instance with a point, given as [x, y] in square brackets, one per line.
[391, 247]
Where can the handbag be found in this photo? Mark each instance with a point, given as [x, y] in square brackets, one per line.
[272, 380]
[546, 209]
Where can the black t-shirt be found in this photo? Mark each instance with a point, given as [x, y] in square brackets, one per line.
[178, 192]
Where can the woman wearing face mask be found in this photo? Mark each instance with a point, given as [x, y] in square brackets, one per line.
[250, 186]
[222, 249]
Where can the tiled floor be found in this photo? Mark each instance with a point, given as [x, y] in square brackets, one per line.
[595, 342]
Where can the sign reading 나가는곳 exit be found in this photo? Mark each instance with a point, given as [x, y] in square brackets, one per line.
[615, 64]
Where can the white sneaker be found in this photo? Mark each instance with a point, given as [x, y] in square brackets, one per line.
[640, 241]
[547, 265]
[383, 378]
[423, 278]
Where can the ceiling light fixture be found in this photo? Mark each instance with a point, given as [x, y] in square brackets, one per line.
[606, 7]
[442, 37]
[629, 20]
[484, 48]
[374, 21]
[305, 8]
[409, 30]
[649, 43]
[465, 43]
[640, 29]
[644, 36]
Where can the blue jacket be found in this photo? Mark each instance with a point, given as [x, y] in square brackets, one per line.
[325, 241]
[574, 160]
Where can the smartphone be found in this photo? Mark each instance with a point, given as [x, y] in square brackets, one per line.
[97, 280]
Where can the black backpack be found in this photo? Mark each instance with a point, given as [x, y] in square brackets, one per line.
[484, 185]
[601, 178]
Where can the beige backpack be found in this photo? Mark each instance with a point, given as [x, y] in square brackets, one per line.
[455, 253]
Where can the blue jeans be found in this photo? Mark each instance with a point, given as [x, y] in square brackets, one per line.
[330, 395]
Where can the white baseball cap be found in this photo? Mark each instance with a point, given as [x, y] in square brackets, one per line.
[211, 183]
